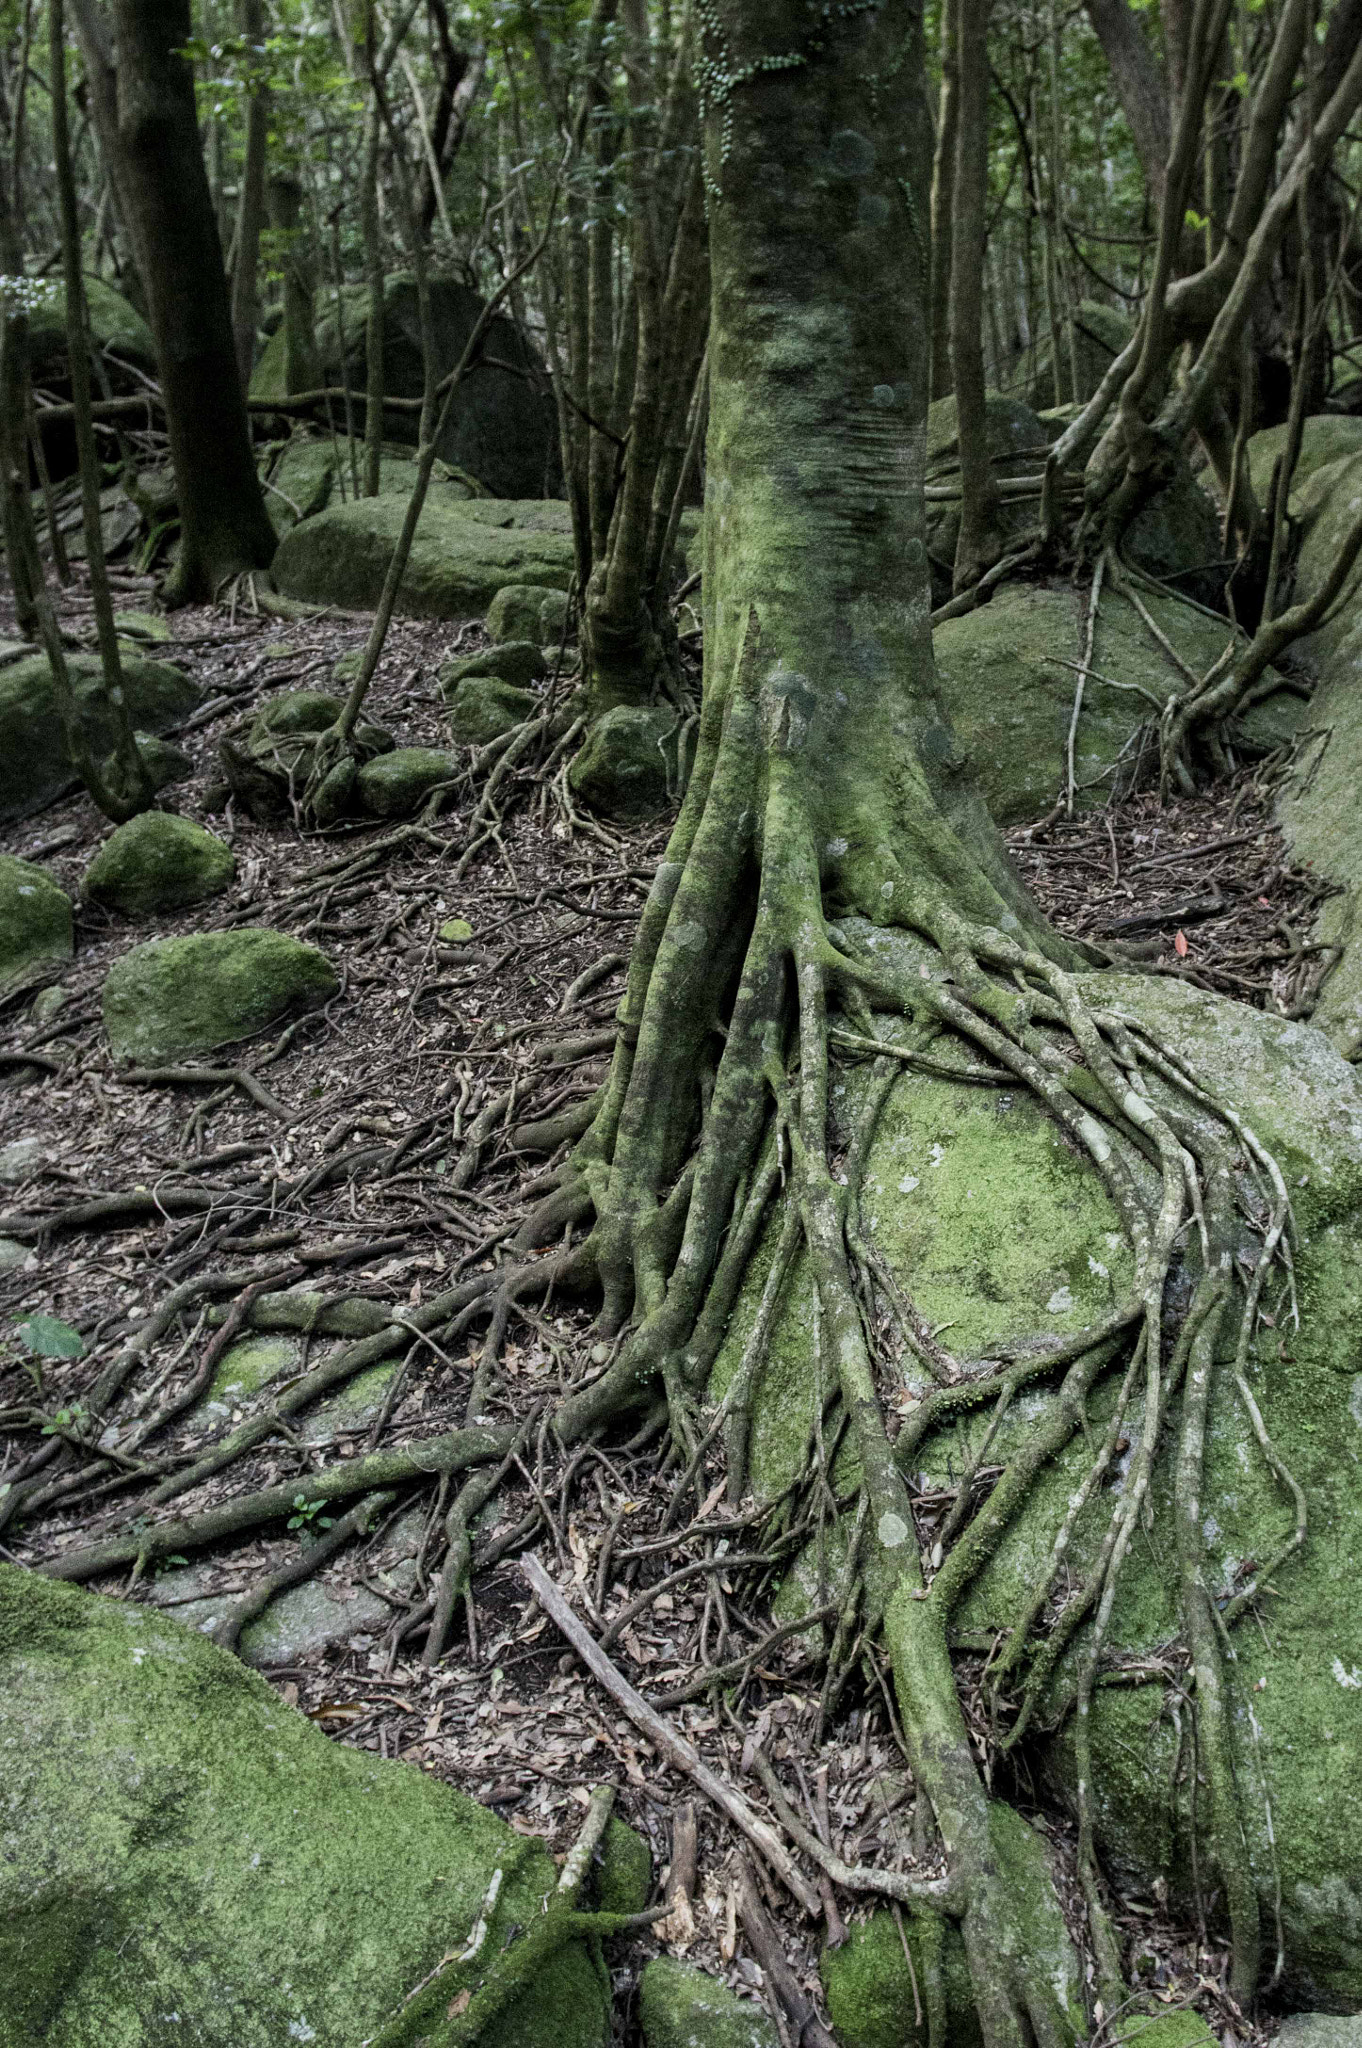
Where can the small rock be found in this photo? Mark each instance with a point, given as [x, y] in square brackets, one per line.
[158, 862]
[295, 711]
[12, 1254]
[516, 661]
[682, 2007]
[35, 920]
[145, 626]
[164, 764]
[528, 611]
[627, 764]
[21, 1159]
[483, 708]
[393, 785]
[1322, 2030]
[456, 931]
[47, 1003]
[347, 667]
[188, 995]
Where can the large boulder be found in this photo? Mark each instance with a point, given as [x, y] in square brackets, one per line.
[456, 568]
[503, 425]
[117, 330]
[35, 767]
[1007, 672]
[185, 1857]
[35, 922]
[178, 996]
[1326, 437]
[301, 478]
[158, 862]
[394, 785]
[1317, 806]
[1003, 1235]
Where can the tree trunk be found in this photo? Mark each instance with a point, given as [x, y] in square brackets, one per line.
[250, 212]
[302, 363]
[224, 528]
[1141, 85]
[979, 545]
[943, 198]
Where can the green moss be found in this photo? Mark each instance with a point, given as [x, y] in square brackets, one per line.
[868, 1983]
[294, 712]
[520, 662]
[250, 1364]
[627, 766]
[394, 785]
[1327, 437]
[114, 324]
[483, 707]
[624, 1875]
[158, 862]
[187, 1858]
[34, 764]
[455, 570]
[529, 611]
[35, 921]
[188, 995]
[682, 2007]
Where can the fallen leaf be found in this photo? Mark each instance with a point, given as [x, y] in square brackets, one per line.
[1180, 945]
[459, 2003]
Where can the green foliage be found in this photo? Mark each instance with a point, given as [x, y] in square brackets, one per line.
[307, 1514]
[49, 1337]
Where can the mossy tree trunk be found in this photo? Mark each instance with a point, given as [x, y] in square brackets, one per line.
[224, 528]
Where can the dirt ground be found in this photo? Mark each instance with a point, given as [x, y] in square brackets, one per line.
[374, 1150]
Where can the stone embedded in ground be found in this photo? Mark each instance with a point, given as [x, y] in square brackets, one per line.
[626, 767]
[394, 785]
[347, 667]
[34, 764]
[1007, 674]
[157, 861]
[528, 611]
[1317, 806]
[682, 2007]
[1325, 437]
[1006, 1237]
[35, 921]
[516, 661]
[20, 1159]
[456, 567]
[178, 1841]
[174, 997]
[13, 1254]
[145, 626]
[268, 763]
[482, 708]
[1320, 2030]
[164, 764]
[293, 712]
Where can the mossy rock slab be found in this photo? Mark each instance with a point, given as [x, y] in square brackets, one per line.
[1326, 437]
[1003, 1236]
[682, 2007]
[520, 662]
[35, 921]
[484, 707]
[1003, 675]
[456, 567]
[188, 1858]
[627, 766]
[189, 995]
[34, 765]
[529, 611]
[1012, 429]
[1317, 806]
[158, 862]
[396, 784]
[1321, 2030]
[114, 325]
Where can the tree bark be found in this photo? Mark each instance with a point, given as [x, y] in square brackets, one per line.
[943, 197]
[1141, 85]
[250, 213]
[224, 528]
[978, 545]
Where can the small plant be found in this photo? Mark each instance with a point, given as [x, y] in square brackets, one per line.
[64, 1419]
[307, 1514]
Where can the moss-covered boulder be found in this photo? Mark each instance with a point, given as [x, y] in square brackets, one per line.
[627, 765]
[483, 707]
[164, 764]
[1004, 1237]
[520, 662]
[117, 329]
[529, 611]
[35, 921]
[293, 712]
[502, 426]
[34, 765]
[187, 1858]
[1177, 538]
[1007, 674]
[268, 762]
[1326, 437]
[158, 862]
[188, 995]
[1099, 333]
[396, 784]
[311, 472]
[1317, 806]
[682, 2007]
[1017, 441]
[456, 568]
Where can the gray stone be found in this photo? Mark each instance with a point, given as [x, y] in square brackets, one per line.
[682, 2007]
[627, 764]
[394, 785]
[13, 1254]
[164, 764]
[516, 661]
[483, 708]
[455, 569]
[20, 1160]
[528, 611]
[35, 921]
[34, 765]
[1321, 2030]
[156, 862]
[188, 995]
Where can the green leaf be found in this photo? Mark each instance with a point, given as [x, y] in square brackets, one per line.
[47, 1337]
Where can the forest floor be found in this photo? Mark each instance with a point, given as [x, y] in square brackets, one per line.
[342, 1171]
